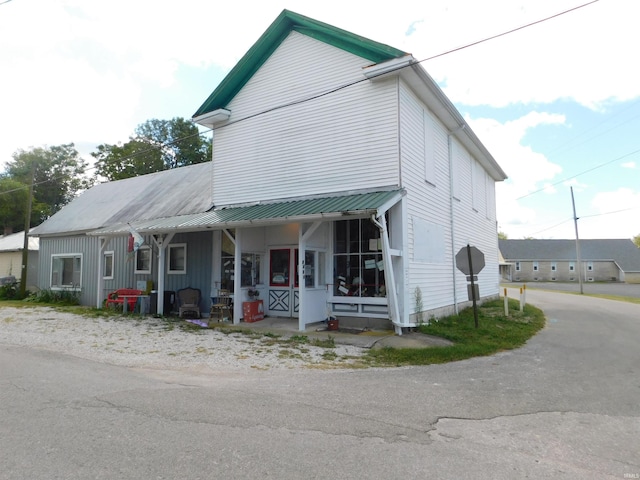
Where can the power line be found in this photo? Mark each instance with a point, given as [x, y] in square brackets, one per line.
[580, 173]
[341, 87]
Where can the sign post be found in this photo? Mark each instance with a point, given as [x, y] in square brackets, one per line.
[470, 261]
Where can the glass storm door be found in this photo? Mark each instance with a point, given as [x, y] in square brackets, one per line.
[283, 291]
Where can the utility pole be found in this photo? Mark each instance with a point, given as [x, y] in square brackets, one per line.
[27, 226]
[575, 222]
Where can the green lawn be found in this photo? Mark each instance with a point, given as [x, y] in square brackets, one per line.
[495, 333]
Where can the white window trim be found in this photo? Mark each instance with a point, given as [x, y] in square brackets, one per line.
[176, 246]
[65, 255]
[518, 267]
[572, 267]
[111, 254]
[147, 248]
[554, 266]
[590, 267]
[536, 266]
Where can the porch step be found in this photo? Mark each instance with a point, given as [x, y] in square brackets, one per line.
[370, 323]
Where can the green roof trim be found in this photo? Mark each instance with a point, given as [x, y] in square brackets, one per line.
[273, 37]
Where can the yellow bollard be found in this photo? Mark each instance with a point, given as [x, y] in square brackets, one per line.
[521, 299]
[506, 303]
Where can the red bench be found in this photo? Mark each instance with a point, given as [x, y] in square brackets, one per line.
[119, 296]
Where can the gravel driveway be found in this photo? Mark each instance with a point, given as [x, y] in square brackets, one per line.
[157, 343]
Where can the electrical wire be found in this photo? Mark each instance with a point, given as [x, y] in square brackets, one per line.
[341, 87]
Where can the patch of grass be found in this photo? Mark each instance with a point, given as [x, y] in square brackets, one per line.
[495, 333]
[329, 342]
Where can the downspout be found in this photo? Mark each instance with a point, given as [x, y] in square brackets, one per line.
[389, 275]
[451, 217]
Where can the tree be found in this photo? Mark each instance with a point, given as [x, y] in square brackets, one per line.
[502, 236]
[13, 203]
[134, 158]
[59, 175]
[636, 240]
[157, 145]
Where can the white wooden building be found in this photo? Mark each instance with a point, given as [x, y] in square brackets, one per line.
[345, 149]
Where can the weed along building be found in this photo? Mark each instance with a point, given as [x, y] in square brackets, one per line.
[342, 182]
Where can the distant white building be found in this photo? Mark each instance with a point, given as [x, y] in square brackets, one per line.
[11, 247]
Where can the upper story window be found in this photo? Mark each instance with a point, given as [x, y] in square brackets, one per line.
[177, 257]
[66, 271]
[518, 266]
[590, 266]
[572, 266]
[554, 266]
[536, 267]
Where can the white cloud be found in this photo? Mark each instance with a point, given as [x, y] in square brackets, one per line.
[629, 165]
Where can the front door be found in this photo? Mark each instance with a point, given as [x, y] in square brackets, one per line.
[283, 291]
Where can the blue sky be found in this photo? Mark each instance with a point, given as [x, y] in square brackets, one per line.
[557, 104]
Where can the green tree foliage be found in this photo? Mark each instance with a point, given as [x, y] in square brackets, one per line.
[13, 203]
[502, 236]
[59, 175]
[157, 145]
[636, 240]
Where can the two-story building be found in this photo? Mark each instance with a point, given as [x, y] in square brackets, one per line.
[343, 182]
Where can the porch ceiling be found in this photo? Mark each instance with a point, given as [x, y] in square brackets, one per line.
[285, 211]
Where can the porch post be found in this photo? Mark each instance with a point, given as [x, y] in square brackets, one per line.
[161, 242]
[103, 245]
[237, 278]
[302, 287]
[392, 294]
[301, 284]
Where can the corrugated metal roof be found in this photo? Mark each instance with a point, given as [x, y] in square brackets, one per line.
[173, 192]
[289, 210]
[15, 242]
[622, 251]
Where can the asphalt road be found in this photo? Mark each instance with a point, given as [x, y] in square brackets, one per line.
[564, 406]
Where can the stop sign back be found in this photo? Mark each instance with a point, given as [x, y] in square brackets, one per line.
[462, 260]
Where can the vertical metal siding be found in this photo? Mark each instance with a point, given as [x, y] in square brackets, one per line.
[342, 141]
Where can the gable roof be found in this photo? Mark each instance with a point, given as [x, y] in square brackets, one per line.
[622, 251]
[178, 191]
[287, 22]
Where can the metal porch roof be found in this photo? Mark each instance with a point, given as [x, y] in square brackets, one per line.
[292, 210]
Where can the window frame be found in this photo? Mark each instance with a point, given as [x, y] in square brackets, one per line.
[105, 274]
[536, 267]
[72, 286]
[176, 246]
[144, 248]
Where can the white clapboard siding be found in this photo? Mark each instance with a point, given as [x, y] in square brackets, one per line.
[342, 141]
[429, 209]
[424, 138]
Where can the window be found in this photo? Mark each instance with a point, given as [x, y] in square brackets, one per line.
[249, 266]
[66, 271]
[518, 266]
[309, 269]
[554, 266]
[107, 265]
[535, 266]
[250, 269]
[177, 257]
[572, 266]
[279, 263]
[143, 260]
[357, 261]
[590, 266]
